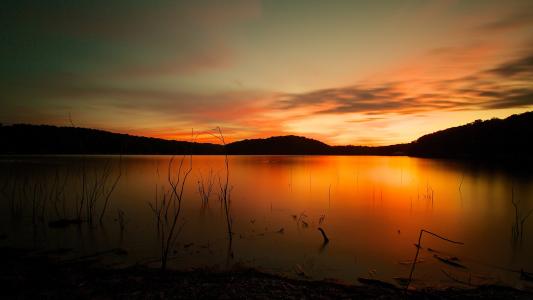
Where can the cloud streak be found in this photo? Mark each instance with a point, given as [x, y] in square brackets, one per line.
[513, 21]
[508, 85]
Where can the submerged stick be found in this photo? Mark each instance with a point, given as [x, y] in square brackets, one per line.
[326, 240]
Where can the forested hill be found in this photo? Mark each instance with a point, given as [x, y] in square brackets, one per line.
[495, 138]
[44, 139]
[287, 145]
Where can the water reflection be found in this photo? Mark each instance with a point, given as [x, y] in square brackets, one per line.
[371, 209]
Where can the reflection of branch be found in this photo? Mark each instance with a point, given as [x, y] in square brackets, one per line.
[323, 247]
[419, 245]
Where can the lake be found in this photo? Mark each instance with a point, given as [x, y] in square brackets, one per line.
[372, 209]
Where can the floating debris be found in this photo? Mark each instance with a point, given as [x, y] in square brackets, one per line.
[452, 261]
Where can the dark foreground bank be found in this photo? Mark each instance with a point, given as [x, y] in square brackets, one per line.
[33, 275]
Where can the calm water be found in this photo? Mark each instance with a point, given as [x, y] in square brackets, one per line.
[372, 209]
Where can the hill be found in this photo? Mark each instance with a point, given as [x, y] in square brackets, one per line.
[45, 139]
[495, 139]
[287, 145]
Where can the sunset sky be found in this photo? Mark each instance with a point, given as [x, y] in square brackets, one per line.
[344, 72]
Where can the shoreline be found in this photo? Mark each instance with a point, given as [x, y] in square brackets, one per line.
[26, 274]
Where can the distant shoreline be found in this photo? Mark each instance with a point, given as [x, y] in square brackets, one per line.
[504, 140]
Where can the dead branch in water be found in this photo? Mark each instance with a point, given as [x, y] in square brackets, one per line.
[419, 245]
[517, 230]
[176, 197]
[167, 208]
[225, 190]
[96, 188]
[326, 239]
[107, 193]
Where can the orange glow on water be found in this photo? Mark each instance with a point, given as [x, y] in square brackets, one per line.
[372, 209]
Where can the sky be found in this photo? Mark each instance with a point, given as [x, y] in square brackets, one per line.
[343, 72]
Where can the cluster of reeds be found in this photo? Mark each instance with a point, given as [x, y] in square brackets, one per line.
[205, 187]
[97, 186]
[15, 191]
[168, 201]
[59, 197]
[46, 197]
[36, 191]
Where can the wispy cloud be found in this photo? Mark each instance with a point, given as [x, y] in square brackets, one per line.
[507, 85]
[522, 68]
[513, 21]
